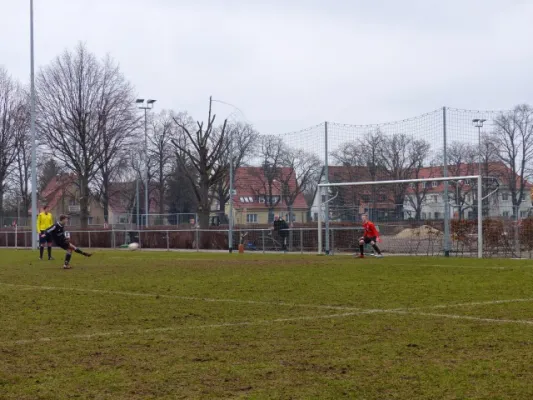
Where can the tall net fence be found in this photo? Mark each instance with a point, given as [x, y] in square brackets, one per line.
[433, 218]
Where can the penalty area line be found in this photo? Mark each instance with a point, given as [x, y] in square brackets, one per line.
[184, 328]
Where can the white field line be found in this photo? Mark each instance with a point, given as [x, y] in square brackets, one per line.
[462, 317]
[469, 304]
[190, 327]
[261, 322]
[257, 302]
[461, 266]
[189, 298]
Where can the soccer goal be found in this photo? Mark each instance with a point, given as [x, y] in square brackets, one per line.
[433, 215]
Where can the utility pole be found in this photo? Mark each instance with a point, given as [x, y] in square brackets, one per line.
[148, 106]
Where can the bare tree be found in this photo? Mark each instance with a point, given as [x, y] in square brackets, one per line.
[513, 137]
[401, 157]
[49, 169]
[23, 157]
[86, 113]
[12, 106]
[301, 172]
[181, 198]
[203, 151]
[418, 154]
[272, 155]
[362, 161]
[160, 152]
[244, 138]
[462, 161]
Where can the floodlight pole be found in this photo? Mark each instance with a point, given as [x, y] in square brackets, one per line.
[326, 174]
[447, 245]
[479, 218]
[478, 123]
[33, 139]
[146, 106]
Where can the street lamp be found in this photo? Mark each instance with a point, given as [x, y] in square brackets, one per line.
[148, 105]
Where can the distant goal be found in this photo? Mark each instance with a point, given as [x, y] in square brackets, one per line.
[450, 206]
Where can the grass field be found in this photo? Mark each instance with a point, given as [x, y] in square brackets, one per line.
[140, 325]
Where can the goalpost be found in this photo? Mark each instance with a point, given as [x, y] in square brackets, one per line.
[478, 178]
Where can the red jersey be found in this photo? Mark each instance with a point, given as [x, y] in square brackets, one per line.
[370, 230]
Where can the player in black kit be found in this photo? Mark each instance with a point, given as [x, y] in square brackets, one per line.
[56, 234]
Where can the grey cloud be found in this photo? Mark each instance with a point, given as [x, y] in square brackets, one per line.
[291, 64]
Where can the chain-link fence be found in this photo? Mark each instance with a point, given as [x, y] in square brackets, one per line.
[434, 219]
[502, 238]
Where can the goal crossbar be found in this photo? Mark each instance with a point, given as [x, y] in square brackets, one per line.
[439, 179]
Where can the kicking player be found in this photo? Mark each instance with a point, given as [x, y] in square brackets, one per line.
[56, 233]
[44, 221]
[370, 236]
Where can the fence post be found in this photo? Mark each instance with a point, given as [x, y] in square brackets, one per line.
[89, 234]
[168, 242]
[332, 245]
[447, 237]
[301, 240]
[197, 238]
[7, 240]
[139, 236]
[516, 233]
[263, 239]
[25, 239]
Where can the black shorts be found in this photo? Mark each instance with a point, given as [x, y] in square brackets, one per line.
[64, 243]
[368, 240]
[44, 238]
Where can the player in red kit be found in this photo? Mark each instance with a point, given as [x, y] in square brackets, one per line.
[370, 236]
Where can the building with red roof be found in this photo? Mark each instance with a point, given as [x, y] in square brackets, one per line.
[260, 195]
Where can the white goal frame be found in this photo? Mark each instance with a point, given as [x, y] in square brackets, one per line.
[323, 186]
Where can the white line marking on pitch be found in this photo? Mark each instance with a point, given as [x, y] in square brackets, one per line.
[192, 327]
[465, 317]
[256, 302]
[190, 298]
[459, 266]
[474, 303]
[264, 322]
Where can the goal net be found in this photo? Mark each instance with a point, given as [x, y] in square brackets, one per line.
[431, 215]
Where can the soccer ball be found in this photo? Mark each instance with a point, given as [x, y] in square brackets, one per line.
[133, 246]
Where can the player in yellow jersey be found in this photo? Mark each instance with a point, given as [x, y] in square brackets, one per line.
[44, 221]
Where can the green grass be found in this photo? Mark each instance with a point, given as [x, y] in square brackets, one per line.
[141, 325]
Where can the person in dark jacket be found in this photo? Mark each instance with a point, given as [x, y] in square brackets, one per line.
[282, 229]
[56, 234]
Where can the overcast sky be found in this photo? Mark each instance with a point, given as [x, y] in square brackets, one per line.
[289, 64]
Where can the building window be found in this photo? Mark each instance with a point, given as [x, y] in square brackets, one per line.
[435, 198]
[523, 214]
[505, 213]
[315, 217]
[434, 184]
[251, 218]
[437, 215]
[423, 215]
[505, 196]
